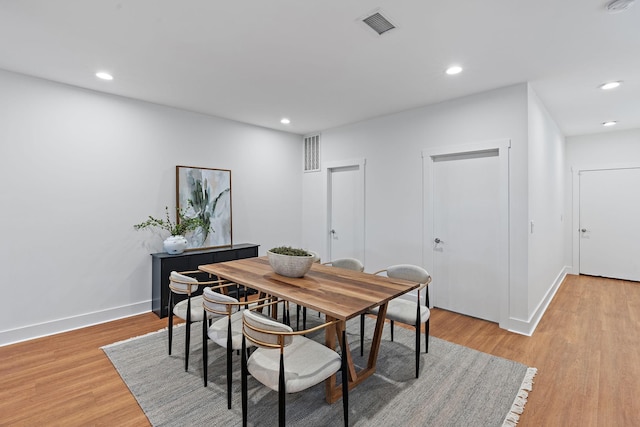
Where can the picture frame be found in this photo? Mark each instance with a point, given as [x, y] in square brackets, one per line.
[206, 192]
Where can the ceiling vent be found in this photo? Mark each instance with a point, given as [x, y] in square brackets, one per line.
[378, 23]
[312, 153]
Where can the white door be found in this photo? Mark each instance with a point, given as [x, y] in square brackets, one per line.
[609, 223]
[466, 231]
[345, 212]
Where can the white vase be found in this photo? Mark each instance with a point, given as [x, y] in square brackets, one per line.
[175, 244]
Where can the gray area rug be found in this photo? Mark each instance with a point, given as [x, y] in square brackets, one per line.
[458, 386]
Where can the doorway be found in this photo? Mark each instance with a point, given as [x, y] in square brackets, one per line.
[345, 210]
[607, 231]
[466, 229]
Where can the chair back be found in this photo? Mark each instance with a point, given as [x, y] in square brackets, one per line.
[316, 257]
[181, 284]
[348, 263]
[264, 331]
[409, 272]
[218, 303]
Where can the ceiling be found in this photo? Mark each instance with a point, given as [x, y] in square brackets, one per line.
[315, 62]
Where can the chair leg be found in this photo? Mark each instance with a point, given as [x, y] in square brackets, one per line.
[304, 317]
[281, 393]
[229, 376]
[426, 336]
[244, 382]
[170, 325]
[205, 351]
[285, 310]
[418, 332]
[229, 361]
[297, 317]
[391, 330]
[362, 335]
[187, 340]
[345, 381]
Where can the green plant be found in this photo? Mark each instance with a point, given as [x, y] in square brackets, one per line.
[287, 250]
[182, 225]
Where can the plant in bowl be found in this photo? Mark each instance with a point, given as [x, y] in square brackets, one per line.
[176, 243]
[290, 262]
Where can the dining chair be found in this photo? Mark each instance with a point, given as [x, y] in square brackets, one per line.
[287, 362]
[226, 331]
[347, 263]
[403, 310]
[189, 309]
[316, 256]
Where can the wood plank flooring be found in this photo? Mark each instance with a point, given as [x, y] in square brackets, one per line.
[586, 349]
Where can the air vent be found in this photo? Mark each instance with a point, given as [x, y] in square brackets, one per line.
[312, 153]
[617, 6]
[378, 23]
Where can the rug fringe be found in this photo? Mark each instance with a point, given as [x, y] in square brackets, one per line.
[517, 407]
[138, 337]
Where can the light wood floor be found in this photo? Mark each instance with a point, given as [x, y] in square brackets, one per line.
[586, 349]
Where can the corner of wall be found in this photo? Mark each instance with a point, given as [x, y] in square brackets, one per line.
[528, 326]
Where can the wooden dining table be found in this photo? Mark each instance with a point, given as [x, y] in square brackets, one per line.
[338, 293]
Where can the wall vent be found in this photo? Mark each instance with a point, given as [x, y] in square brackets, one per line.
[378, 23]
[312, 153]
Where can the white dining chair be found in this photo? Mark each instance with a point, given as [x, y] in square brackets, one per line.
[287, 362]
[403, 310]
[227, 330]
[189, 309]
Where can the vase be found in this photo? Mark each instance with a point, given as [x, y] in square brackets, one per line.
[175, 244]
[290, 266]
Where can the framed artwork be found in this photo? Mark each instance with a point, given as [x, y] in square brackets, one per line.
[205, 193]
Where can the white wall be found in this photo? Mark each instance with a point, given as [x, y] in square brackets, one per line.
[547, 264]
[392, 147]
[78, 168]
[596, 150]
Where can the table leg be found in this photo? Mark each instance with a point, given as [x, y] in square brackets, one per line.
[330, 383]
[377, 337]
[334, 392]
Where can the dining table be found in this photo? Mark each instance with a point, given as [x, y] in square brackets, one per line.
[338, 293]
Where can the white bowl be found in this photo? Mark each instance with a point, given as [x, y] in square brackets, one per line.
[290, 266]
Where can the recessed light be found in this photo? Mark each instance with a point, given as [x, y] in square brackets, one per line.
[285, 121]
[610, 85]
[454, 69]
[610, 123]
[104, 76]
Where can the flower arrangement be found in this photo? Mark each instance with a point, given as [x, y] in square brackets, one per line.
[182, 225]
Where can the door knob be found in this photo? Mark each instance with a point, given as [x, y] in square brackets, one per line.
[584, 230]
[333, 231]
[437, 240]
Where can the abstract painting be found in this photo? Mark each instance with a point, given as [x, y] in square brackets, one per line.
[205, 193]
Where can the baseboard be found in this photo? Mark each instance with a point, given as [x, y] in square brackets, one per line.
[527, 327]
[29, 332]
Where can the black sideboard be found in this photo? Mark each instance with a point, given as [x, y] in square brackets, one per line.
[164, 264]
